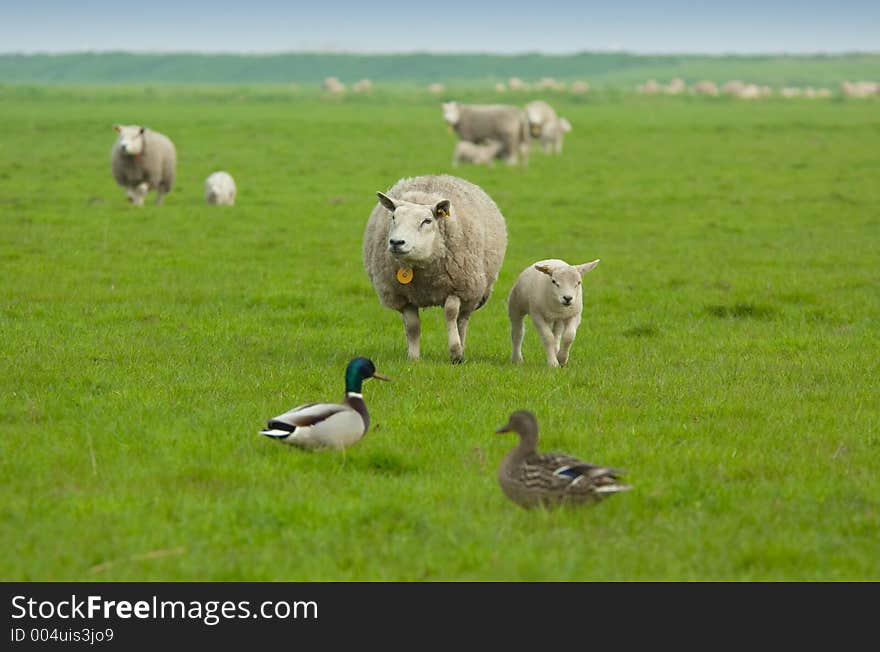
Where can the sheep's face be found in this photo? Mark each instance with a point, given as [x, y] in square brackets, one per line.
[414, 232]
[564, 283]
[451, 113]
[131, 139]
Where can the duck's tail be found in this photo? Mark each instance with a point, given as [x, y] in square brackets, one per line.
[276, 433]
[612, 488]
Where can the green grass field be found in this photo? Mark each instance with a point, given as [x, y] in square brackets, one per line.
[729, 357]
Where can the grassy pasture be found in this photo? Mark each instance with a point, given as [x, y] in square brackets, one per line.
[729, 358]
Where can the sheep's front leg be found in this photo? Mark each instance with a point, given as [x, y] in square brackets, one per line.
[557, 332]
[450, 311]
[412, 325]
[568, 334]
[545, 330]
[516, 333]
[136, 195]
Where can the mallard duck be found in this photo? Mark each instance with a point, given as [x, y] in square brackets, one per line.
[329, 425]
[531, 479]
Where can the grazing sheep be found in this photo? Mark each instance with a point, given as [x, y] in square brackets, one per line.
[706, 87]
[478, 123]
[580, 87]
[516, 84]
[823, 92]
[435, 241]
[749, 92]
[333, 86]
[436, 88]
[362, 86]
[552, 134]
[675, 87]
[220, 189]
[550, 292]
[467, 152]
[860, 89]
[650, 87]
[790, 91]
[539, 113]
[143, 160]
[550, 84]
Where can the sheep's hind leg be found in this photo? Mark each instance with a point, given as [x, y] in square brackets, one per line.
[516, 335]
[451, 311]
[412, 326]
[463, 319]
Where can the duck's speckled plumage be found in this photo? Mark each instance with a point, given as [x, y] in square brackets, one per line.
[533, 479]
[328, 425]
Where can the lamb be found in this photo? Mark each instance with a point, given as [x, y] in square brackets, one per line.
[467, 152]
[539, 113]
[552, 134]
[220, 189]
[550, 292]
[142, 160]
[478, 123]
[434, 240]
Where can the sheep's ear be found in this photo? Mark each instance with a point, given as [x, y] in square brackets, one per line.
[117, 128]
[441, 208]
[141, 131]
[586, 267]
[544, 269]
[387, 202]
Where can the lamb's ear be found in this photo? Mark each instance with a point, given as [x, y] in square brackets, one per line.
[117, 128]
[441, 209]
[544, 269]
[586, 267]
[387, 202]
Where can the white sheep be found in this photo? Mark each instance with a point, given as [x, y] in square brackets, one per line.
[580, 87]
[538, 114]
[706, 87]
[434, 241]
[362, 86]
[220, 189]
[333, 86]
[467, 152]
[478, 123]
[551, 293]
[142, 160]
[553, 133]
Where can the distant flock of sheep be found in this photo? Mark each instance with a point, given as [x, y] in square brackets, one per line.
[734, 88]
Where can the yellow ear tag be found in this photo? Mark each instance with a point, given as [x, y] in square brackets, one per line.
[405, 275]
[442, 212]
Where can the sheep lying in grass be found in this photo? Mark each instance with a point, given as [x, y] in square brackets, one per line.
[467, 152]
[220, 189]
[552, 135]
[550, 292]
[143, 160]
[435, 241]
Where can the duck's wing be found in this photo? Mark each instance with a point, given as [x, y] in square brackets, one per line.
[317, 425]
[563, 473]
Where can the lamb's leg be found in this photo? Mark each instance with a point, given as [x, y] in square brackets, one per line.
[137, 194]
[557, 331]
[545, 330]
[516, 334]
[450, 311]
[568, 334]
[412, 325]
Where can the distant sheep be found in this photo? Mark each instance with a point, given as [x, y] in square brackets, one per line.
[434, 241]
[538, 114]
[467, 152]
[580, 87]
[436, 88]
[516, 84]
[860, 89]
[706, 87]
[551, 293]
[362, 86]
[478, 123]
[553, 134]
[675, 87]
[333, 86]
[220, 189]
[500, 87]
[142, 160]
[650, 87]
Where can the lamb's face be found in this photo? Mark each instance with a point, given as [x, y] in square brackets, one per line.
[414, 232]
[451, 113]
[562, 285]
[131, 139]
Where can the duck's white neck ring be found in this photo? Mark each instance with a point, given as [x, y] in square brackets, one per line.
[355, 394]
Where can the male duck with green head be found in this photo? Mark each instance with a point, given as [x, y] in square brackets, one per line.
[329, 425]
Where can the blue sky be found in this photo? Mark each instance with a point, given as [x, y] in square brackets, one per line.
[551, 26]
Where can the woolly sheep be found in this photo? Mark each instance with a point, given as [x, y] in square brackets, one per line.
[477, 123]
[362, 86]
[467, 152]
[860, 88]
[516, 84]
[552, 135]
[434, 241]
[143, 160]
[675, 87]
[551, 293]
[706, 87]
[220, 189]
[333, 86]
[539, 113]
[650, 87]
[580, 87]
